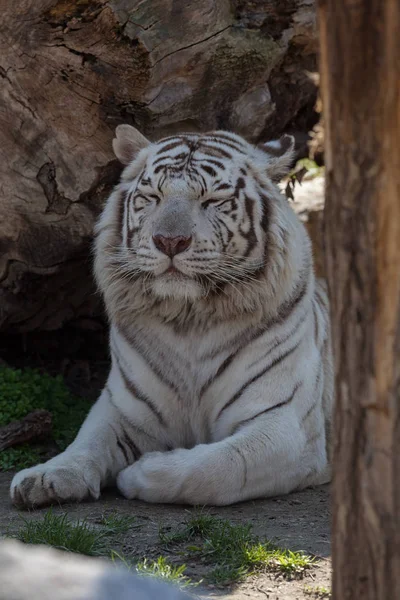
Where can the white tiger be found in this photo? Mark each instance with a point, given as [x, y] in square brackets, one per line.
[221, 385]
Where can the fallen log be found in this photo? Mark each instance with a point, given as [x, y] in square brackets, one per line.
[36, 425]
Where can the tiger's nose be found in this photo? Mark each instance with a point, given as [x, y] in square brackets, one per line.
[171, 245]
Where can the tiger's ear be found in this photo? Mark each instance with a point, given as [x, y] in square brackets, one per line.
[127, 143]
[280, 155]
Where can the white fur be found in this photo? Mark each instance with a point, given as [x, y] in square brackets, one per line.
[170, 335]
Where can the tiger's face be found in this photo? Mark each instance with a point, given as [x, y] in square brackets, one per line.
[195, 210]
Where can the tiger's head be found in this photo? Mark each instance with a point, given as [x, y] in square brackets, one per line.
[196, 215]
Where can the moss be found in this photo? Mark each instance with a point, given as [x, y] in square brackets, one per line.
[21, 392]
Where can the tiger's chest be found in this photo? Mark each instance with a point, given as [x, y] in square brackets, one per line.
[177, 371]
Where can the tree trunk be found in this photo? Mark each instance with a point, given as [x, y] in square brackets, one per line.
[70, 71]
[360, 68]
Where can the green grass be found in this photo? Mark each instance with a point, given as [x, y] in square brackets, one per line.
[160, 568]
[21, 392]
[115, 524]
[163, 570]
[61, 533]
[228, 552]
[318, 592]
[82, 537]
[232, 552]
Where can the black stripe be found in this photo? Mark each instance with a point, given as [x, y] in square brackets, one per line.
[250, 236]
[216, 151]
[222, 368]
[159, 168]
[212, 161]
[230, 138]
[227, 141]
[316, 395]
[170, 159]
[266, 410]
[240, 185]
[290, 305]
[244, 466]
[218, 202]
[321, 296]
[208, 170]
[171, 145]
[230, 146]
[160, 183]
[266, 207]
[257, 334]
[283, 313]
[136, 392]
[279, 342]
[136, 453]
[274, 363]
[316, 325]
[120, 446]
[151, 364]
[310, 410]
[132, 425]
[223, 186]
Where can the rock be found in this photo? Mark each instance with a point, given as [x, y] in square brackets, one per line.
[40, 573]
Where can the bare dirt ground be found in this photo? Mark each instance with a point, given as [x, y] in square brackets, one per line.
[299, 522]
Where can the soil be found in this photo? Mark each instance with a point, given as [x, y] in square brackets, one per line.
[299, 521]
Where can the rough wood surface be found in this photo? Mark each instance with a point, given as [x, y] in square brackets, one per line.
[360, 68]
[35, 425]
[71, 70]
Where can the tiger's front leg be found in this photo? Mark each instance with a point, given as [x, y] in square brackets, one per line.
[269, 456]
[105, 444]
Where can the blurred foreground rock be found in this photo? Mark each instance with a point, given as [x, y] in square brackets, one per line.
[40, 573]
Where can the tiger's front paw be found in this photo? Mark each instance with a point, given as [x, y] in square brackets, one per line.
[61, 482]
[156, 477]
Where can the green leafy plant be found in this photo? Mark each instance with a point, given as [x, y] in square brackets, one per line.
[304, 169]
[21, 392]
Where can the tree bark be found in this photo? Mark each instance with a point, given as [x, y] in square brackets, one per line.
[360, 69]
[36, 424]
[71, 70]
